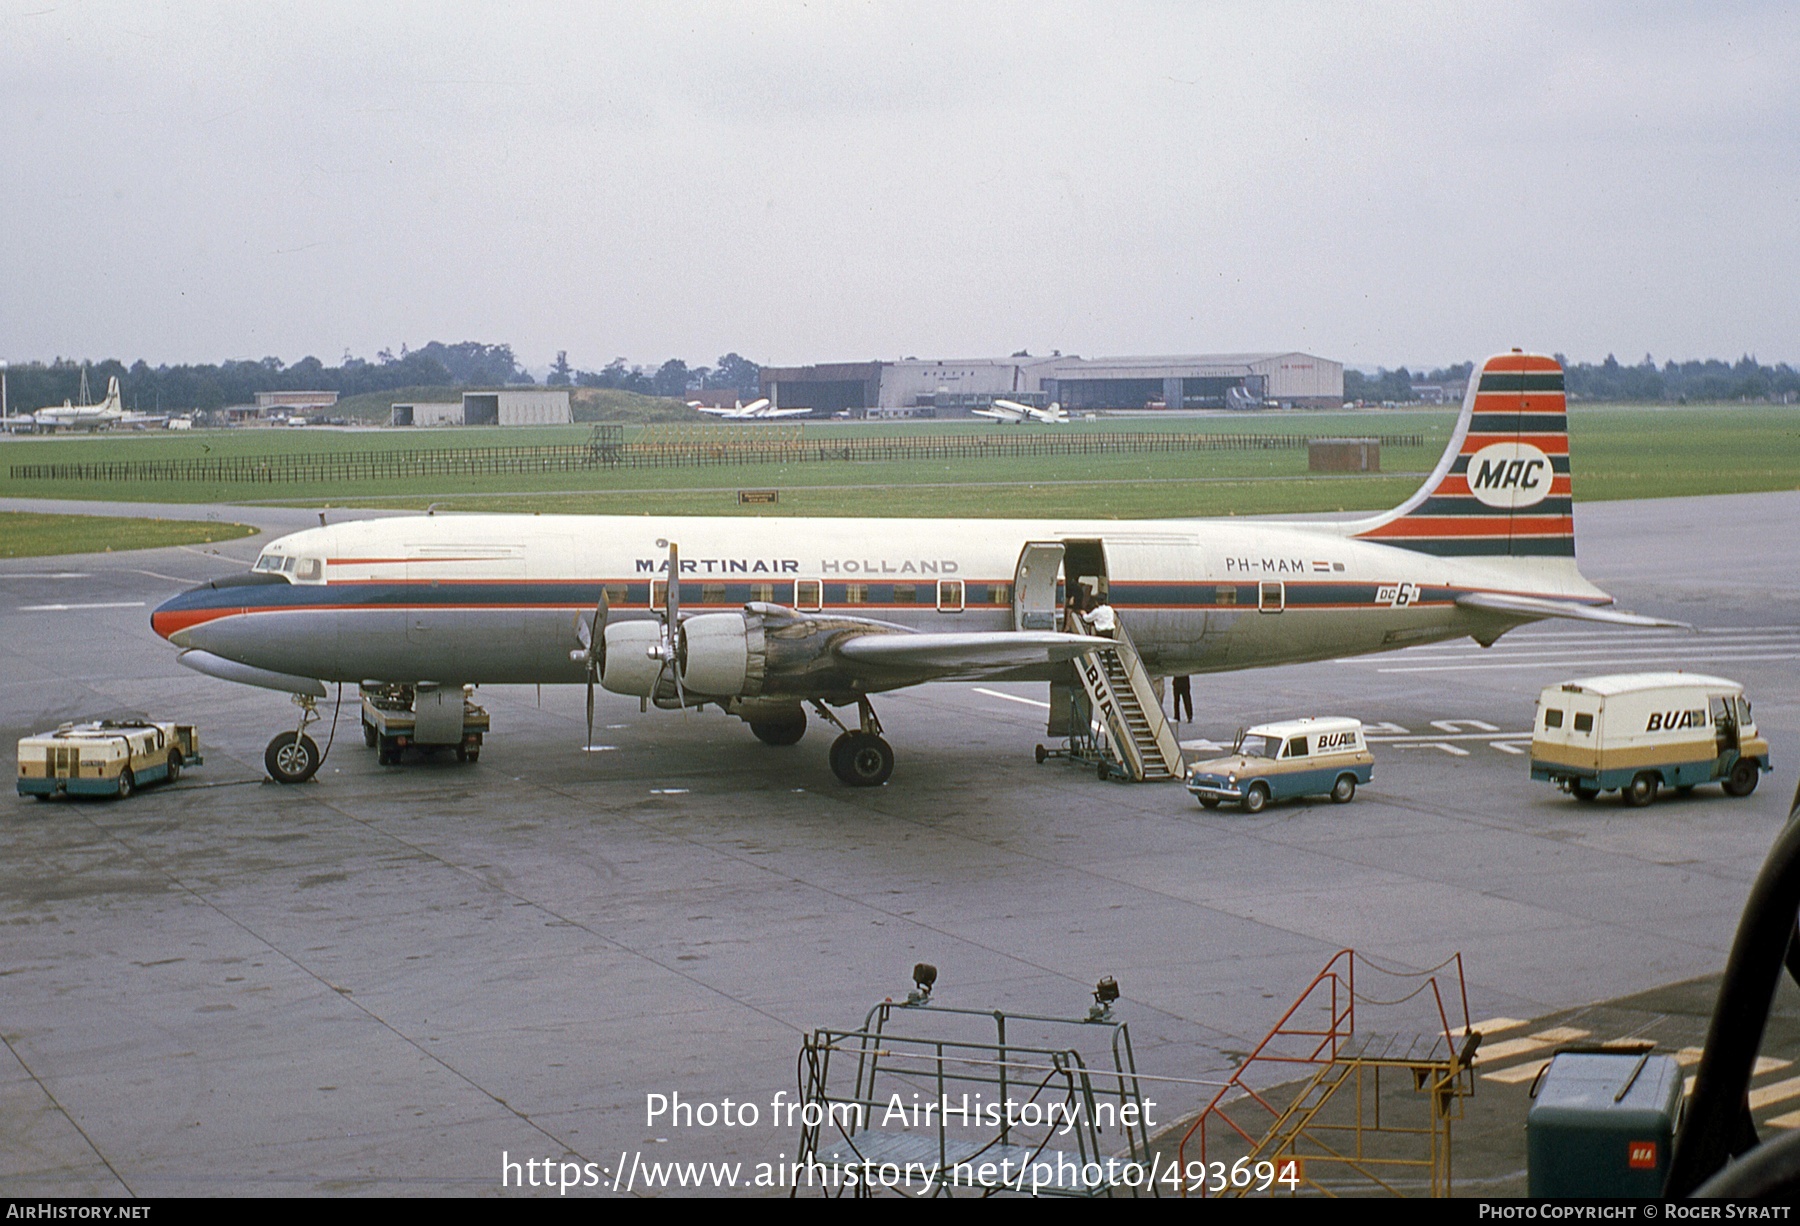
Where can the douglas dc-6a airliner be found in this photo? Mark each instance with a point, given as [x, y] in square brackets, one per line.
[766, 616]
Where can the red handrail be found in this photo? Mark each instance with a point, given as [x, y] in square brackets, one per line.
[1338, 973]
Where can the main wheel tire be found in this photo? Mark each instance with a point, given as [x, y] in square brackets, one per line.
[1743, 778]
[1344, 790]
[1257, 798]
[174, 765]
[1583, 793]
[780, 731]
[862, 759]
[371, 738]
[291, 758]
[1641, 790]
[127, 783]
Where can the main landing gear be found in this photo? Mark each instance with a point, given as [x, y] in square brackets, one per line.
[293, 757]
[860, 757]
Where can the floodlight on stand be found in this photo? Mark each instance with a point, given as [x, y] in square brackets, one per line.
[924, 976]
[1105, 992]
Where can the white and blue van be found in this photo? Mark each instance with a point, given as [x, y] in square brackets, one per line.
[1324, 756]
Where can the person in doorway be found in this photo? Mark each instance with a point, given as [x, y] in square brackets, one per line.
[1101, 619]
[1184, 696]
[1072, 621]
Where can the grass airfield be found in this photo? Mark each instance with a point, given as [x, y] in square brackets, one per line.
[1619, 452]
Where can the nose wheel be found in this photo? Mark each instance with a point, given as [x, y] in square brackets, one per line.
[294, 757]
[860, 757]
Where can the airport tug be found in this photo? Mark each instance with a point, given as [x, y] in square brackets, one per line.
[105, 758]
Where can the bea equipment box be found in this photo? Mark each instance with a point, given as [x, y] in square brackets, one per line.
[1602, 1124]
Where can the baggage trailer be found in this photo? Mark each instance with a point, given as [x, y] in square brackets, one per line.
[427, 717]
[1640, 732]
[105, 758]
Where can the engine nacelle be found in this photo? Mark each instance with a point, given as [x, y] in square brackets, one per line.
[722, 655]
[628, 666]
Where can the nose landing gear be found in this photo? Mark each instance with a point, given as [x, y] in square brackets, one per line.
[293, 757]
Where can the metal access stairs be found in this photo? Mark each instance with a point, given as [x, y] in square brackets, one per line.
[1344, 1129]
[1124, 700]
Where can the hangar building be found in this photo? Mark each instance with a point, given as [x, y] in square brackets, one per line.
[953, 388]
[507, 407]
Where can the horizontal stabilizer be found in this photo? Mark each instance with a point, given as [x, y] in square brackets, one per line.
[971, 654]
[1537, 606]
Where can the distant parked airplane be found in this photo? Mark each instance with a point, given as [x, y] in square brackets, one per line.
[1013, 413]
[756, 410]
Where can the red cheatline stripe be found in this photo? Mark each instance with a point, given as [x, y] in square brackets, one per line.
[1476, 525]
[398, 561]
[1549, 444]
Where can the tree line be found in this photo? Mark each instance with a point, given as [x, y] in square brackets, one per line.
[167, 388]
[1673, 382]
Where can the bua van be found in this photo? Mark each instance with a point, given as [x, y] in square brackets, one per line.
[1296, 757]
[1640, 732]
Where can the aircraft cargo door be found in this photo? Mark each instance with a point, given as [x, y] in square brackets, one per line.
[1034, 586]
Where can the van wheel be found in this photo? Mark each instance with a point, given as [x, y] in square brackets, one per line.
[1641, 790]
[174, 765]
[1584, 793]
[1257, 798]
[1041, 753]
[370, 737]
[1743, 778]
[127, 783]
[1345, 791]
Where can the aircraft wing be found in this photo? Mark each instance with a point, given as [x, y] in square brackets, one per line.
[961, 656]
[1537, 606]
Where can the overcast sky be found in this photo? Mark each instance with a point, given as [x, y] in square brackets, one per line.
[1382, 184]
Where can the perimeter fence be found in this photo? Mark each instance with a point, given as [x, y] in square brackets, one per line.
[689, 448]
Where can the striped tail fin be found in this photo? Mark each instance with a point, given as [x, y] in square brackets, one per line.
[1502, 486]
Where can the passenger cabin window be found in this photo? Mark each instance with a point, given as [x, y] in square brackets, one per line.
[712, 593]
[1296, 748]
[616, 593]
[856, 593]
[1225, 595]
[1552, 717]
[659, 593]
[906, 593]
[764, 592]
[1584, 722]
[950, 596]
[809, 595]
[1000, 593]
[1271, 596]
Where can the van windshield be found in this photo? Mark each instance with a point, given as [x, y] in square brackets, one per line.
[1255, 746]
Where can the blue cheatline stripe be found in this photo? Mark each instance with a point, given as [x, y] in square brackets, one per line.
[1468, 504]
[1519, 381]
[1518, 423]
[1232, 595]
[1487, 547]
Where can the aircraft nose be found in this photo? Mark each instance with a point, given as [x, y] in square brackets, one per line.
[174, 616]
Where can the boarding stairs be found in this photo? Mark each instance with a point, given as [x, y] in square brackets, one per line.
[1125, 702]
[1340, 1130]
